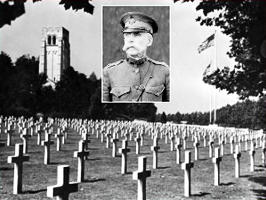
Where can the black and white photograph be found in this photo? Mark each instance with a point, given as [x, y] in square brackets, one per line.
[137, 77]
[132, 99]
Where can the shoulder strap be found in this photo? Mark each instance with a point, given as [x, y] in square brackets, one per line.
[114, 63]
[146, 80]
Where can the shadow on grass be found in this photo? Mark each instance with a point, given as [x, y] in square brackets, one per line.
[261, 194]
[145, 152]
[93, 159]
[244, 176]
[55, 163]
[93, 180]
[163, 167]
[36, 152]
[260, 180]
[259, 170]
[6, 168]
[201, 194]
[93, 148]
[33, 191]
[203, 159]
[261, 166]
[163, 151]
[227, 184]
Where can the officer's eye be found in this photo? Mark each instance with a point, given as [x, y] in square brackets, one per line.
[134, 34]
[137, 34]
[126, 34]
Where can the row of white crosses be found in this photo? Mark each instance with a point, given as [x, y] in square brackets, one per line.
[187, 165]
[222, 139]
[216, 160]
[19, 158]
[26, 127]
[63, 188]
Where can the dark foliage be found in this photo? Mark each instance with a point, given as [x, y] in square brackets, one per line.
[244, 21]
[12, 9]
[246, 114]
[23, 92]
[163, 118]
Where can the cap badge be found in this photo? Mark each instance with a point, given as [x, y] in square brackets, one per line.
[131, 21]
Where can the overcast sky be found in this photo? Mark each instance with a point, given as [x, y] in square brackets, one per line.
[188, 92]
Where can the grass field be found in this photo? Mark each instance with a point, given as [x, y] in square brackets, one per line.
[103, 173]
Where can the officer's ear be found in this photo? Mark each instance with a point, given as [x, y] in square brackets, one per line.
[150, 39]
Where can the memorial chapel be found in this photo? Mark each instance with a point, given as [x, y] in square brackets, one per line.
[55, 53]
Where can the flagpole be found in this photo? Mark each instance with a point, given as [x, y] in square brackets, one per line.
[210, 41]
[215, 68]
[211, 103]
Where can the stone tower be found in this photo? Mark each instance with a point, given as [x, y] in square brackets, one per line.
[55, 53]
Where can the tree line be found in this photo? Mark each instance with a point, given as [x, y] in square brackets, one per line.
[23, 92]
[245, 114]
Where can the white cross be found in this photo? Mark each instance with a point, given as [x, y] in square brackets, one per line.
[216, 160]
[114, 141]
[18, 160]
[137, 140]
[47, 143]
[59, 137]
[81, 154]
[141, 175]
[178, 151]
[186, 166]
[252, 154]
[124, 151]
[155, 149]
[25, 137]
[63, 187]
[237, 156]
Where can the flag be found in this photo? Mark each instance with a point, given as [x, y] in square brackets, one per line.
[207, 43]
[207, 70]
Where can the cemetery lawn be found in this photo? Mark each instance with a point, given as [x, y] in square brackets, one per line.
[103, 179]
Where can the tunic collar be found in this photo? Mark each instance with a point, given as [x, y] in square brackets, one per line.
[135, 61]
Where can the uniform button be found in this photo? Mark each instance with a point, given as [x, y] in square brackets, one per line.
[137, 71]
[141, 87]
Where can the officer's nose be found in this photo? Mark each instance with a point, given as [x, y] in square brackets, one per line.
[129, 37]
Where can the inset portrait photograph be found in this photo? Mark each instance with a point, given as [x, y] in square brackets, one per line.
[135, 53]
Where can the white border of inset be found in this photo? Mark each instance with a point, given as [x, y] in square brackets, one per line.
[170, 51]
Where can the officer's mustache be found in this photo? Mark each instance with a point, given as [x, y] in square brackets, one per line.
[126, 47]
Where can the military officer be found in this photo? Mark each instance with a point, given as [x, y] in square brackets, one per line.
[136, 78]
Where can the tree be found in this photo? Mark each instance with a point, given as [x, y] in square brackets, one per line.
[244, 21]
[20, 85]
[96, 109]
[163, 118]
[24, 82]
[6, 69]
[73, 93]
[260, 113]
[12, 9]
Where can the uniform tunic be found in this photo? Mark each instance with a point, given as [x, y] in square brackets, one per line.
[123, 81]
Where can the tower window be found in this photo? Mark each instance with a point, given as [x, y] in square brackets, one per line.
[54, 40]
[49, 39]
